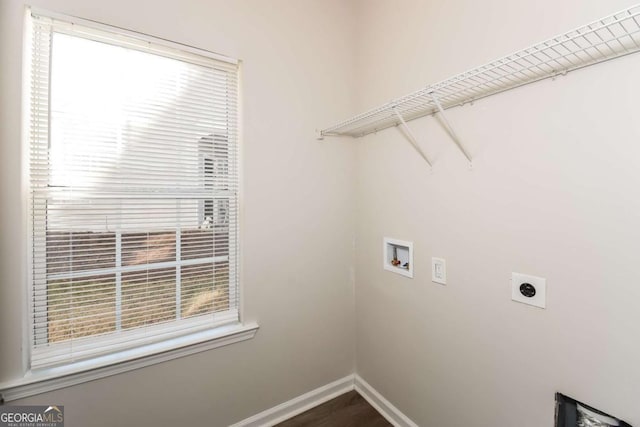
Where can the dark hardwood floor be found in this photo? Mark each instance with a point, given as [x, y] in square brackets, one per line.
[348, 410]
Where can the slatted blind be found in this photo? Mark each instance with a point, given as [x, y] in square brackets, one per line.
[134, 191]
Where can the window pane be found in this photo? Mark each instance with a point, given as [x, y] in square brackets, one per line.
[216, 213]
[148, 248]
[72, 251]
[81, 307]
[197, 244]
[205, 289]
[148, 297]
[125, 119]
[203, 243]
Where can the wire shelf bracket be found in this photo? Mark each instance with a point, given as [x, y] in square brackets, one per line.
[613, 36]
[412, 139]
[447, 125]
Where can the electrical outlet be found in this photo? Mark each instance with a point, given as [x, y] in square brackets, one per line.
[529, 289]
[439, 270]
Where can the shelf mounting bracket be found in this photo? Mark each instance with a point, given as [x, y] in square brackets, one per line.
[447, 125]
[412, 139]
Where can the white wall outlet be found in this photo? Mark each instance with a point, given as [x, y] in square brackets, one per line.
[397, 256]
[529, 289]
[439, 270]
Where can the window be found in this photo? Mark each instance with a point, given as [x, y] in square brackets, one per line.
[133, 191]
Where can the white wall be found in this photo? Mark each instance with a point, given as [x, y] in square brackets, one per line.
[554, 193]
[298, 221]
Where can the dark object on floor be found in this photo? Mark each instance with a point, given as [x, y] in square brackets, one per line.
[348, 410]
[571, 413]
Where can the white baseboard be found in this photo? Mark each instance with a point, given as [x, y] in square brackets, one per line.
[316, 397]
[299, 404]
[382, 405]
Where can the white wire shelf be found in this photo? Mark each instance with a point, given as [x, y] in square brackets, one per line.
[602, 40]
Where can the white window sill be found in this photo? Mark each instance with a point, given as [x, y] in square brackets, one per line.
[49, 379]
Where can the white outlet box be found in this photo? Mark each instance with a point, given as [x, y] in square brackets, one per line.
[529, 289]
[397, 256]
[439, 270]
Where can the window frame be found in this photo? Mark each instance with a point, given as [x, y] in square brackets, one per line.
[35, 381]
[119, 338]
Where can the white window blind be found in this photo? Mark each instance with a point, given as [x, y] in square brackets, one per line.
[133, 191]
